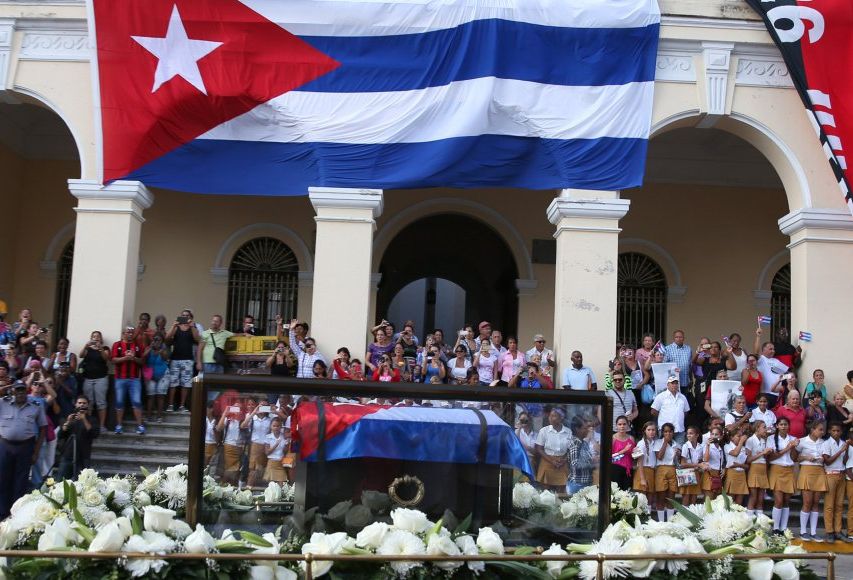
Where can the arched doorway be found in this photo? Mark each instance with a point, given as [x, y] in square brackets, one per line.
[460, 250]
[63, 291]
[641, 298]
[780, 300]
[262, 282]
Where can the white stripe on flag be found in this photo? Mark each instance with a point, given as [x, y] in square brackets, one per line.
[484, 106]
[389, 17]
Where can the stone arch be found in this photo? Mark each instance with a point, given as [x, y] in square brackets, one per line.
[664, 259]
[444, 205]
[232, 243]
[777, 152]
[57, 244]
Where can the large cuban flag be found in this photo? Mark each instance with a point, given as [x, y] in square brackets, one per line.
[407, 433]
[270, 97]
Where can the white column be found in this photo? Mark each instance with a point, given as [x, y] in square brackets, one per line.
[343, 263]
[821, 278]
[106, 256]
[585, 275]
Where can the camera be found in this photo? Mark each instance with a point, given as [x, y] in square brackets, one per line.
[234, 409]
[183, 319]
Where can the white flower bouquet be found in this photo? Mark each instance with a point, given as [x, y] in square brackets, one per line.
[579, 510]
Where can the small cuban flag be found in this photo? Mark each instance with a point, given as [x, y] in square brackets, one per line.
[805, 336]
[658, 347]
[764, 320]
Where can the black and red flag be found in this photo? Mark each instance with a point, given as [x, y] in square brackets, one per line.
[816, 41]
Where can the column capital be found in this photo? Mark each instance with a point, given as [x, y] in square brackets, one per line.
[133, 191]
[346, 198]
[305, 279]
[587, 209]
[818, 218]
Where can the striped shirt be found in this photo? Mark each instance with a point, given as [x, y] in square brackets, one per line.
[127, 369]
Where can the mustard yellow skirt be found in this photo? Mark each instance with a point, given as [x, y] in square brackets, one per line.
[550, 475]
[757, 478]
[232, 455]
[781, 478]
[706, 478]
[735, 482]
[257, 456]
[811, 478]
[649, 472]
[665, 479]
[275, 472]
[209, 450]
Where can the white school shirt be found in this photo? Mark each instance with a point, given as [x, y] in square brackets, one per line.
[649, 457]
[831, 447]
[668, 455]
[808, 447]
[756, 445]
[783, 442]
[691, 455]
[849, 465]
[210, 431]
[232, 432]
[768, 416]
[277, 453]
[739, 458]
[555, 443]
[731, 418]
[260, 428]
[715, 458]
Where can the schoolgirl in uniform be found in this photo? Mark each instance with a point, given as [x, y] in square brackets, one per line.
[734, 482]
[833, 452]
[781, 474]
[756, 480]
[690, 456]
[644, 472]
[812, 479]
[665, 482]
[715, 462]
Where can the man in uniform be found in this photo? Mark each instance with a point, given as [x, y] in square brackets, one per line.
[22, 430]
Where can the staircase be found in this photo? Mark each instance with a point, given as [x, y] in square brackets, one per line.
[163, 445]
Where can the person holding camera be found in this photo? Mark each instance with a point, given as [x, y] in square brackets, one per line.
[75, 437]
[29, 342]
[95, 358]
[36, 361]
[156, 376]
[62, 357]
[22, 431]
[127, 358]
[381, 347]
[182, 338]
[248, 328]
[281, 362]
[306, 352]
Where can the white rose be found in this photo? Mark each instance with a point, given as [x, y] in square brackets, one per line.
[402, 543]
[109, 539]
[142, 499]
[786, 570]
[469, 548]
[8, 535]
[88, 478]
[199, 542]
[117, 484]
[269, 573]
[323, 544]
[44, 512]
[548, 498]
[180, 529]
[157, 519]
[489, 542]
[272, 493]
[125, 526]
[638, 545]
[522, 495]
[592, 510]
[443, 546]
[555, 568]
[58, 535]
[760, 569]
[149, 542]
[372, 535]
[57, 493]
[410, 520]
[180, 469]
[151, 482]
[104, 518]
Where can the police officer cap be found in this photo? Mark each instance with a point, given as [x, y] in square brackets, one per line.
[19, 385]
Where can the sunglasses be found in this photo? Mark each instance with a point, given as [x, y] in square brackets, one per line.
[538, 341]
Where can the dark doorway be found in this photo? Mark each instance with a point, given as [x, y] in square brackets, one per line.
[459, 249]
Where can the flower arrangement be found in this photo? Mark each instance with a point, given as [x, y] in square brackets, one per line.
[581, 509]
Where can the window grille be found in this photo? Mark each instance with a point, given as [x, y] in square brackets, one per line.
[63, 292]
[262, 282]
[641, 298]
[780, 300]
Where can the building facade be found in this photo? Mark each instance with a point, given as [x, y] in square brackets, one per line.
[739, 216]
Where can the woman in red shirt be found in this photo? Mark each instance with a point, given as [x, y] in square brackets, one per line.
[750, 378]
[796, 415]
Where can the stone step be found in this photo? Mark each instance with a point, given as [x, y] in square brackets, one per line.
[167, 427]
[106, 441]
[131, 445]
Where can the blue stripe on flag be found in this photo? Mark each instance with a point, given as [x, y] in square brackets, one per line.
[488, 48]
[265, 168]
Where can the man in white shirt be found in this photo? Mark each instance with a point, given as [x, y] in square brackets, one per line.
[670, 406]
[546, 355]
[498, 349]
[771, 368]
[578, 377]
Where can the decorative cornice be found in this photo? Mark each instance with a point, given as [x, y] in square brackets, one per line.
[526, 287]
[719, 23]
[595, 209]
[133, 191]
[762, 71]
[816, 218]
[717, 57]
[346, 198]
[63, 45]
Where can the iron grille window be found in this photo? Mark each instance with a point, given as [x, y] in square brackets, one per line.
[780, 301]
[262, 282]
[63, 291]
[641, 298]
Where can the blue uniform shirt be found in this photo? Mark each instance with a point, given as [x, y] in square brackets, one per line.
[18, 423]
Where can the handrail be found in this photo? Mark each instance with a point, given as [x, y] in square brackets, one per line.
[601, 559]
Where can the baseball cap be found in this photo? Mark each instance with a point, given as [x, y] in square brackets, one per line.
[484, 324]
[19, 385]
[3, 308]
[672, 379]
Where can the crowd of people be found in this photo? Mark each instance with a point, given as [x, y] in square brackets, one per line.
[668, 439]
